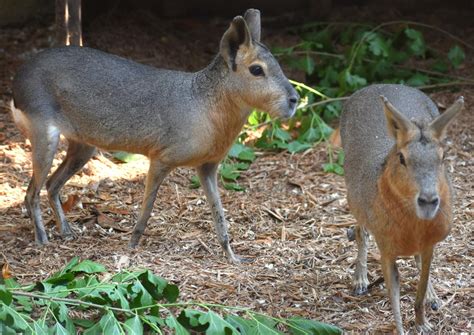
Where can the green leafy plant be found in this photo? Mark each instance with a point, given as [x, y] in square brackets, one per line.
[84, 298]
[340, 59]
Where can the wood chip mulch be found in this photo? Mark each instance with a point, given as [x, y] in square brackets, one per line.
[292, 219]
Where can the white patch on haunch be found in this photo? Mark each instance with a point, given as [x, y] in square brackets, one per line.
[19, 118]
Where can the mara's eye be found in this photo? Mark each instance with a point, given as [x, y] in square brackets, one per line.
[256, 70]
[402, 159]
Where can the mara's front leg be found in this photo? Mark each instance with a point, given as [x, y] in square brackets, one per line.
[420, 320]
[431, 298]
[208, 176]
[392, 281]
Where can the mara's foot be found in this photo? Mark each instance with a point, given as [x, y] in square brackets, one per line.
[234, 259]
[424, 328]
[360, 287]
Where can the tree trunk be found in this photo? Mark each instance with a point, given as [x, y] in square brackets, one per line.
[68, 22]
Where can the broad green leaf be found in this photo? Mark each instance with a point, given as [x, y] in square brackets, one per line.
[96, 329]
[378, 45]
[341, 157]
[158, 283]
[84, 323]
[418, 79]
[5, 296]
[247, 155]
[89, 266]
[217, 325]
[267, 321]
[305, 63]
[334, 168]
[241, 166]
[58, 329]
[297, 146]
[39, 328]
[278, 144]
[5, 330]
[127, 276]
[300, 326]
[176, 326]
[62, 314]
[171, 292]
[332, 111]
[258, 325]
[110, 325]
[229, 172]
[11, 283]
[311, 135]
[72, 263]
[244, 326]
[281, 134]
[456, 56]
[417, 42]
[309, 64]
[326, 131]
[119, 294]
[195, 182]
[398, 56]
[233, 187]
[125, 157]
[242, 152]
[159, 322]
[257, 117]
[440, 66]
[134, 326]
[61, 279]
[319, 38]
[351, 81]
[143, 297]
[189, 318]
[19, 320]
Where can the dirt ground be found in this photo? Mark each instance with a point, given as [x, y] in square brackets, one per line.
[292, 219]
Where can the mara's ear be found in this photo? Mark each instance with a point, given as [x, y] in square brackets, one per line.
[252, 17]
[398, 125]
[236, 36]
[439, 125]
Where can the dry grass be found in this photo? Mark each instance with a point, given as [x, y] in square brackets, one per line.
[292, 220]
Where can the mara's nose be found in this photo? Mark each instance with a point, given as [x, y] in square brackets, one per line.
[428, 200]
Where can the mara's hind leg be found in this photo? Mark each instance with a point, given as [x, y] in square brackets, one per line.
[44, 142]
[78, 154]
[360, 274]
[157, 172]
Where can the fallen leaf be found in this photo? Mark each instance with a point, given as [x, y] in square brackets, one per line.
[72, 201]
[107, 222]
[114, 210]
[6, 272]
[335, 138]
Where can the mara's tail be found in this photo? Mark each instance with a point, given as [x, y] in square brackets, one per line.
[19, 118]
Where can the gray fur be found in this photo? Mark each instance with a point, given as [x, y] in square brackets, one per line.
[389, 132]
[365, 136]
[95, 99]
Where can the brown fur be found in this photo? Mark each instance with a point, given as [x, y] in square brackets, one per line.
[402, 233]
[398, 188]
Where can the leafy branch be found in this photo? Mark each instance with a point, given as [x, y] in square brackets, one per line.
[82, 297]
